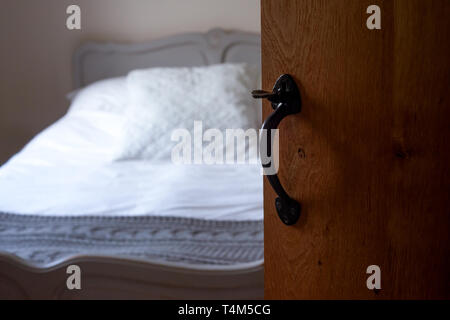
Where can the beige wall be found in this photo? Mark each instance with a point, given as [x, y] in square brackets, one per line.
[35, 58]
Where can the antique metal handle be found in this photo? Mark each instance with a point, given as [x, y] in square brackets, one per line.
[286, 100]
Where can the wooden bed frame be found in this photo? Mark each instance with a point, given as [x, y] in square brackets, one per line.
[105, 277]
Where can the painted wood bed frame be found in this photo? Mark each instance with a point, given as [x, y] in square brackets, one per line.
[105, 277]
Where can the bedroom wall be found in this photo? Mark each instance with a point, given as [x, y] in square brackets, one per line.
[35, 60]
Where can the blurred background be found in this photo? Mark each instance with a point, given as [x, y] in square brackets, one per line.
[37, 48]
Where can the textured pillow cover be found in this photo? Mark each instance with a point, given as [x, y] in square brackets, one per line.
[164, 99]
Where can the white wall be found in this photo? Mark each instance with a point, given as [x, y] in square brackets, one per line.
[35, 58]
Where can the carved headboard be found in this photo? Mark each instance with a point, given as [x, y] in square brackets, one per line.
[95, 61]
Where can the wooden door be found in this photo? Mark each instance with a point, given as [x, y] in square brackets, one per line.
[368, 157]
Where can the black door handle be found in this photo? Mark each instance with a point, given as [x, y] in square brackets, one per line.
[286, 100]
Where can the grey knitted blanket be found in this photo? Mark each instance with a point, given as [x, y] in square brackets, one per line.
[43, 240]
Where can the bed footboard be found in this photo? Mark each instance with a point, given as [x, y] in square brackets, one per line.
[120, 278]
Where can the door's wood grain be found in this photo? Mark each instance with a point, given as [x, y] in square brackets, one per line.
[369, 155]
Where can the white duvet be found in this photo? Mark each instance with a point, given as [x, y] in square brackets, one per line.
[67, 170]
[224, 192]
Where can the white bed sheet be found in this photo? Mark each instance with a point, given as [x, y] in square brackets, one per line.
[218, 192]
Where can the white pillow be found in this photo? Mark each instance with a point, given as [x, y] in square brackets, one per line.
[91, 132]
[81, 138]
[109, 95]
[164, 99]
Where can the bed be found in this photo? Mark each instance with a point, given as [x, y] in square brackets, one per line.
[137, 229]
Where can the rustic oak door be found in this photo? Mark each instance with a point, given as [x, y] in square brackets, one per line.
[368, 156]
